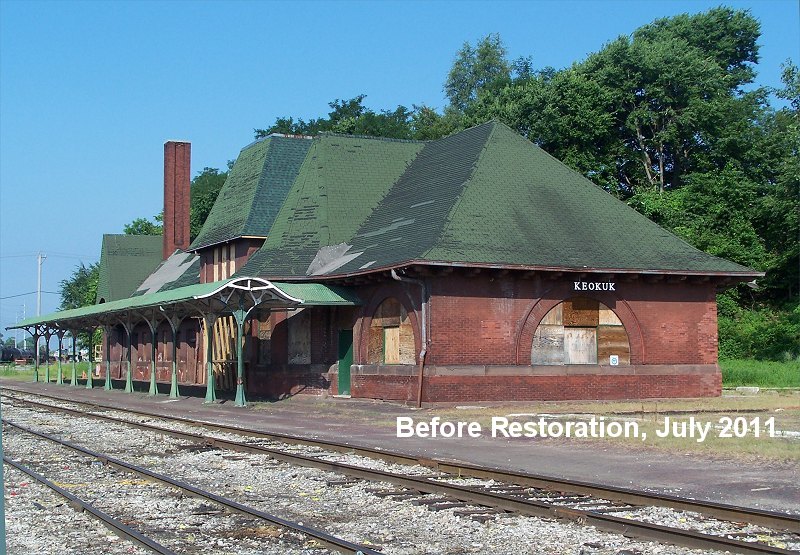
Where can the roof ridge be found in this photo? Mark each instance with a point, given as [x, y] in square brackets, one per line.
[457, 202]
[325, 134]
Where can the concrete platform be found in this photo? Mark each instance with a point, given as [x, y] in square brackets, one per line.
[759, 484]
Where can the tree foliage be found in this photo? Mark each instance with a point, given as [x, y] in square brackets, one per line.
[144, 226]
[206, 186]
[80, 289]
[477, 69]
[668, 120]
[349, 117]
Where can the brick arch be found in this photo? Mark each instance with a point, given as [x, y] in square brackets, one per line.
[562, 292]
[364, 321]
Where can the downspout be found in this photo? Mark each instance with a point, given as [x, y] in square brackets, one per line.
[423, 330]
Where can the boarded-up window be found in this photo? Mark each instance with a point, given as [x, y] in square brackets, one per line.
[580, 345]
[299, 326]
[391, 337]
[391, 345]
[580, 331]
[264, 341]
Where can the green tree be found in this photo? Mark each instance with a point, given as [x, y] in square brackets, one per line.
[477, 68]
[206, 186]
[80, 289]
[349, 117]
[143, 226]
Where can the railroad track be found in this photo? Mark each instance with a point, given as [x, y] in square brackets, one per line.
[520, 493]
[323, 538]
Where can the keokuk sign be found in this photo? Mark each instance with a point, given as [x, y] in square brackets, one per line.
[593, 286]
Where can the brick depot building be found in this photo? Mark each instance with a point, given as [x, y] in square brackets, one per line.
[470, 268]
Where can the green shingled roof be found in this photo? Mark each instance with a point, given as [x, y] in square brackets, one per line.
[125, 261]
[254, 191]
[484, 196]
[342, 180]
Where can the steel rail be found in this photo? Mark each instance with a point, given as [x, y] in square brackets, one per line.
[120, 529]
[331, 541]
[628, 527]
[722, 511]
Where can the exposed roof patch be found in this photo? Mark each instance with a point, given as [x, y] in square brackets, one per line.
[172, 274]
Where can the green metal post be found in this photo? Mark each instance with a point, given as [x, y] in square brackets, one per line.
[240, 398]
[153, 352]
[173, 388]
[47, 357]
[89, 383]
[129, 377]
[60, 379]
[74, 380]
[35, 357]
[108, 385]
[211, 395]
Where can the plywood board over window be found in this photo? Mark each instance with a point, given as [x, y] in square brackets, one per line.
[299, 326]
[391, 335]
[580, 331]
[612, 340]
[581, 312]
[580, 345]
[548, 345]
[391, 345]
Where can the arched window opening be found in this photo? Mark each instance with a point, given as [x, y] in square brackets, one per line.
[299, 323]
[391, 337]
[580, 331]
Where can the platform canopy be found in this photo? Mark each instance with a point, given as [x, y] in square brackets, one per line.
[219, 297]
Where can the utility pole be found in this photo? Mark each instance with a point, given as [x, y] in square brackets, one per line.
[39, 259]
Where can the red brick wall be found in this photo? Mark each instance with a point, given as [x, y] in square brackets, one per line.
[487, 320]
[177, 179]
[532, 388]
[484, 321]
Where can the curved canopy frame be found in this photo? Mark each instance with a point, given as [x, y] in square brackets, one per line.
[237, 296]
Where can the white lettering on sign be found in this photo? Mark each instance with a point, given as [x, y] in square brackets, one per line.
[592, 286]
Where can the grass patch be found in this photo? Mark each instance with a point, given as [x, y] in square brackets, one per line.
[25, 373]
[760, 373]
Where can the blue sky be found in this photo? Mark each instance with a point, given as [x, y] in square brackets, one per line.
[89, 92]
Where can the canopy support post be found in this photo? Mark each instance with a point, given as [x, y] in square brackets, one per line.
[128, 377]
[89, 383]
[36, 336]
[153, 356]
[47, 335]
[240, 315]
[174, 325]
[107, 329]
[209, 320]
[74, 379]
[60, 334]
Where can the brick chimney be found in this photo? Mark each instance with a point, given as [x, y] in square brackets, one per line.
[177, 179]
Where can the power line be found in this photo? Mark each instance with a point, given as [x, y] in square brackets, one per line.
[31, 293]
[56, 254]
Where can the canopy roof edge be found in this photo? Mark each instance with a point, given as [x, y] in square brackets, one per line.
[196, 298]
